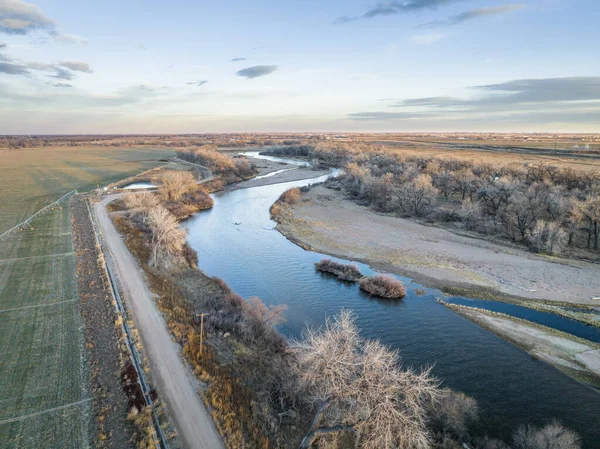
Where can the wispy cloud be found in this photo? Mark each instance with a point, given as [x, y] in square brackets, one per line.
[474, 14]
[76, 66]
[238, 59]
[18, 17]
[64, 70]
[197, 83]
[256, 71]
[530, 99]
[395, 7]
[428, 38]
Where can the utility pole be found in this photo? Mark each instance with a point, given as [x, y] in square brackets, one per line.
[201, 315]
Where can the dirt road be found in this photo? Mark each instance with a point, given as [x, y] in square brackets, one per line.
[175, 383]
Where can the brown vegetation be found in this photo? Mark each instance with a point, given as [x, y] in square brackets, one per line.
[383, 286]
[346, 272]
[546, 208]
[228, 168]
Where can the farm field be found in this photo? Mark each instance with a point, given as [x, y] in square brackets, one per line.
[43, 369]
[31, 178]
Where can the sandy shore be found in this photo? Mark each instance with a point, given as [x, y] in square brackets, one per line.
[435, 257]
[579, 358]
[288, 173]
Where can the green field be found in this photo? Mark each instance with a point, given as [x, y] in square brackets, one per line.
[44, 397]
[32, 178]
[43, 370]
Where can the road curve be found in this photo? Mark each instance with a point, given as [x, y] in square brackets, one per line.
[175, 383]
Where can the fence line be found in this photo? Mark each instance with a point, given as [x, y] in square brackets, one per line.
[39, 212]
[129, 342]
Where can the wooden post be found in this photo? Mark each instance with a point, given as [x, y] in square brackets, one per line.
[201, 315]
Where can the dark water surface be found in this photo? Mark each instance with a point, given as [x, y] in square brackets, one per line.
[511, 387]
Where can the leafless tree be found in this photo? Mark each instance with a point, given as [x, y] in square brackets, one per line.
[417, 196]
[464, 181]
[167, 236]
[552, 436]
[173, 184]
[358, 386]
[547, 237]
[141, 202]
[589, 209]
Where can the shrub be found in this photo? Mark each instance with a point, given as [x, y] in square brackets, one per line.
[346, 272]
[552, 436]
[453, 412]
[383, 286]
[291, 196]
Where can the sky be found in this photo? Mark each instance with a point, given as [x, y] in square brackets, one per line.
[133, 66]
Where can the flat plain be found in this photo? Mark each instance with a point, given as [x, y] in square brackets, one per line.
[31, 178]
[44, 375]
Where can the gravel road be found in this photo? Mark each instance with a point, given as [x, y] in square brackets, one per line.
[175, 383]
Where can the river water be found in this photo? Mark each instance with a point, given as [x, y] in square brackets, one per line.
[237, 242]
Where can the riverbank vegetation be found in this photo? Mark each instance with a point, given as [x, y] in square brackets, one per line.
[345, 272]
[227, 168]
[265, 392]
[258, 386]
[548, 209]
[383, 286]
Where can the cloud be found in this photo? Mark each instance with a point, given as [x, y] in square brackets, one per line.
[62, 85]
[76, 66]
[13, 69]
[256, 71]
[197, 83]
[19, 17]
[70, 39]
[532, 100]
[378, 116]
[63, 70]
[474, 14]
[428, 38]
[395, 7]
[238, 59]
[2, 44]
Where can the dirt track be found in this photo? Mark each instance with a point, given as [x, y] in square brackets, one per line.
[175, 383]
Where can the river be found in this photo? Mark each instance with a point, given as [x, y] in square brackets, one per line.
[237, 242]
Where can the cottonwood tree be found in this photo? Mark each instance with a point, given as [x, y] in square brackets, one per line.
[417, 196]
[589, 209]
[141, 202]
[167, 236]
[464, 180]
[357, 386]
[173, 184]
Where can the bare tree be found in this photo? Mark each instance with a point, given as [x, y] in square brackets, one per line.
[464, 179]
[552, 436]
[589, 209]
[140, 202]
[167, 236]
[418, 195]
[547, 237]
[358, 386]
[173, 184]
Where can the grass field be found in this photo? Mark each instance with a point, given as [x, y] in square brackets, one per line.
[43, 369]
[32, 178]
[44, 379]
